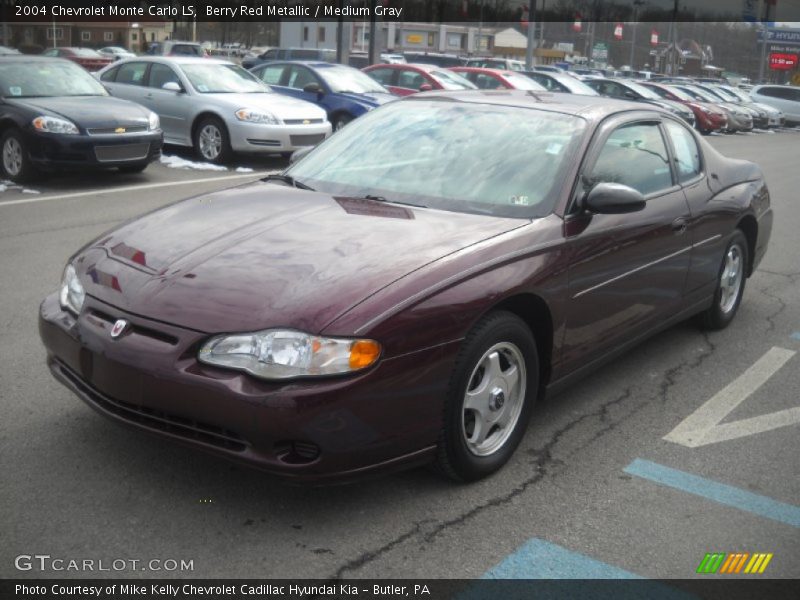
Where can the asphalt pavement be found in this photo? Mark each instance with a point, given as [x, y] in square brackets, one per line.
[594, 487]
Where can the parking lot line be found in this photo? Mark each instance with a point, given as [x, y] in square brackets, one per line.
[718, 492]
[129, 188]
[539, 559]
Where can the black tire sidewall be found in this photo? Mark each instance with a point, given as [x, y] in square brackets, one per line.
[225, 153]
[342, 119]
[497, 327]
[715, 318]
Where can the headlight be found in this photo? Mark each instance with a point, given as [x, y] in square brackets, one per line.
[153, 121]
[284, 354]
[72, 293]
[54, 125]
[252, 115]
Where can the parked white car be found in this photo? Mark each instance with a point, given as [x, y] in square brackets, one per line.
[216, 107]
[785, 98]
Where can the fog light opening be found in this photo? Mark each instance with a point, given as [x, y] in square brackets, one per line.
[296, 452]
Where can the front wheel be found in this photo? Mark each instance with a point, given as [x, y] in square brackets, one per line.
[340, 121]
[17, 165]
[490, 398]
[211, 141]
[730, 284]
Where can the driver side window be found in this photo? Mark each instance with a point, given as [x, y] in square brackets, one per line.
[634, 155]
[300, 77]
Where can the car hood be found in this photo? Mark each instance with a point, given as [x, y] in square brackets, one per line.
[282, 106]
[94, 112]
[267, 255]
[371, 99]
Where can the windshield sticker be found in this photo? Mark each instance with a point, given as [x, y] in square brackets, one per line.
[553, 148]
[15, 90]
[202, 87]
[519, 200]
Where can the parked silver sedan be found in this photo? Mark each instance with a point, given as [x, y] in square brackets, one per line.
[216, 107]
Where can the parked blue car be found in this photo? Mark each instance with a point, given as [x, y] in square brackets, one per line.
[344, 92]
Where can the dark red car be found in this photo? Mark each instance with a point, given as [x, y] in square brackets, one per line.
[406, 79]
[89, 59]
[406, 291]
[497, 79]
[708, 117]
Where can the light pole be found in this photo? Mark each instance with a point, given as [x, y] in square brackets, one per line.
[636, 5]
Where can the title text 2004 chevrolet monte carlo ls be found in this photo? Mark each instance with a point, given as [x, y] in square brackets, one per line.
[406, 291]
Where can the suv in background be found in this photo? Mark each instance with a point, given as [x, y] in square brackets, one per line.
[313, 54]
[175, 48]
[785, 98]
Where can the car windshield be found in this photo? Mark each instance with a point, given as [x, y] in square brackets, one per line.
[452, 81]
[521, 82]
[704, 95]
[643, 91]
[46, 79]
[677, 92]
[573, 85]
[478, 158]
[346, 79]
[222, 79]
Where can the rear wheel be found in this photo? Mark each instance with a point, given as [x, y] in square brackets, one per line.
[340, 121]
[730, 284]
[490, 398]
[17, 165]
[211, 141]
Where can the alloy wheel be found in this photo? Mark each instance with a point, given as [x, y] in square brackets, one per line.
[12, 157]
[210, 142]
[731, 279]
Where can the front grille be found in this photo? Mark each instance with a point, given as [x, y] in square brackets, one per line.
[156, 419]
[121, 152]
[109, 321]
[263, 142]
[110, 130]
[303, 121]
[307, 140]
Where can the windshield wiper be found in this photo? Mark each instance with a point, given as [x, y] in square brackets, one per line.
[289, 180]
[383, 199]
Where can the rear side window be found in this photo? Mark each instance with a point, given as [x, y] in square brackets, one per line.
[109, 75]
[186, 50]
[634, 155]
[687, 154]
[304, 55]
[131, 73]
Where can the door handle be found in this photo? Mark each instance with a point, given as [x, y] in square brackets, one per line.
[679, 226]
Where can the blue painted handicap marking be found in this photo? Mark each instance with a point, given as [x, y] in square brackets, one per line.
[718, 492]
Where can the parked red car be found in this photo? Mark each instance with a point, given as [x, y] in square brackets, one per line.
[708, 117]
[406, 79]
[89, 59]
[493, 79]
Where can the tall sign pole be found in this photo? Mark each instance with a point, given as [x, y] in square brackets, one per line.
[765, 35]
[531, 34]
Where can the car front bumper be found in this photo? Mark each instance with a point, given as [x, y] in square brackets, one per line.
[251, 137]
[48, 150]
[341, 428]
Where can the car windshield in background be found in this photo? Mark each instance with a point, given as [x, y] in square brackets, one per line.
[42, 79]
[643, 91]
[498, 160]
[452, 81]
[522, 82]
[575, 86]
[343, 79]
[679, 94]
[222, 79]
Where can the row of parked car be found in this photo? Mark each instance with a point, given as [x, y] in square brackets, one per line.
[220, 109]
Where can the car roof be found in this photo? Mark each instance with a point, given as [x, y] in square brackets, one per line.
[594, 108]
[178, 60]
[32, 57]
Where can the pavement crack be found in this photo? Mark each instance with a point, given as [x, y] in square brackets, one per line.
[767, 291]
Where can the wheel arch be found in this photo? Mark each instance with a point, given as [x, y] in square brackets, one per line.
[199, 119]
[534, 310]
[749, 227]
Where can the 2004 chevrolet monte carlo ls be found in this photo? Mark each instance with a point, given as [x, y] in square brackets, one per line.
[404, 292]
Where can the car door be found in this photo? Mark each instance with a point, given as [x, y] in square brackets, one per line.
[129, 81]
[627, 271]
[173, 108]
[296, 77]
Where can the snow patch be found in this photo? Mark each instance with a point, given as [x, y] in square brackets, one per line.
[176, 162]
[244, 170]
[6, 185]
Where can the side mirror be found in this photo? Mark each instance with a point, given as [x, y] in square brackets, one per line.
[312, 88]
[172, 86]
[613, 199]
[631, 95]
[298, 154]
[425, 87]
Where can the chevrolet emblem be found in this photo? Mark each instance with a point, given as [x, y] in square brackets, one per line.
[119, 130]
[306, 121]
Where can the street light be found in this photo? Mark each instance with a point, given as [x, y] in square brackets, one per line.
[636, 5]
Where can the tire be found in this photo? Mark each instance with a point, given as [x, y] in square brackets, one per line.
[14, 158]
[133, 169]
[340, 121]
[472, 443]
[730, 284]
[212, 142]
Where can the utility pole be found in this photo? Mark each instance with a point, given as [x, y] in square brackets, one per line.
[531, 35]
[765, 34]
[636, 5]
